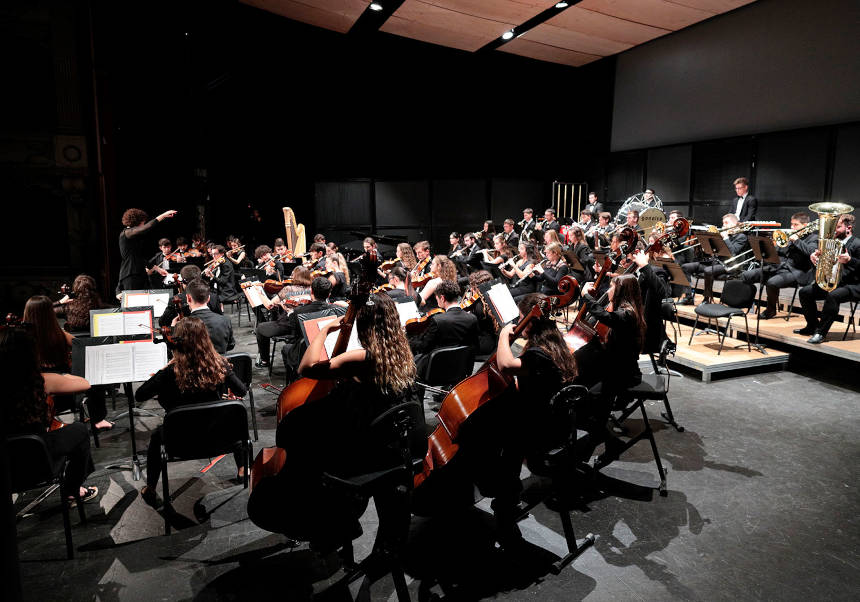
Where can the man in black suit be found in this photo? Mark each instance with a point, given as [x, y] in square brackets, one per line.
[453, 328]
[847, 290]
[593, 206]
[737, 244]
[219, 327]
[527, 226]
[549, 223]
[795, 267]
[287, 325]
[187, 274]
[511, 238]
[747, 205]
[472, 255]
[221, 275]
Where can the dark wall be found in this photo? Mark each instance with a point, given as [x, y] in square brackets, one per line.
[770, 65]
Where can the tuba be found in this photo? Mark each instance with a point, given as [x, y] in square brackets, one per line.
[829, 270]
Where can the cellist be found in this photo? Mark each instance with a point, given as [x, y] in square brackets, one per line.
[330, 434]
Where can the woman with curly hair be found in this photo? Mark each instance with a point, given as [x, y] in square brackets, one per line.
[26, 409]
[195, 374]
[332, 434]
[444, 269]
[406, 256]
[75, 307]
[132, 248]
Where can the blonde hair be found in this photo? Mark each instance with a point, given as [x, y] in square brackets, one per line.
[407, 255]
[383, 338]
[447, 269]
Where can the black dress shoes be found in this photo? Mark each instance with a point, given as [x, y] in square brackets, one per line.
[687, 300]
[805, 330]
[816, 339]
[767, 314]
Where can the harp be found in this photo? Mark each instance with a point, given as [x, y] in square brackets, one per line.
[295, 233]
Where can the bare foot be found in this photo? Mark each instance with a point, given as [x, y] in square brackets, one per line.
[104, 424]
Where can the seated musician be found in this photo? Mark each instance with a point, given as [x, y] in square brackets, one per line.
[633, 222]
[498, 256]
[331, 248]
[550, 237]
[795, 266]
[616, 365]
[280, 248]
[422, 253]
[598, 236]
[187, 274]
[219, 326]
[397, 280]
[471, 255]
[454, 327]
[338, 275]
[320, 238]
[737, 244]
[586, 220]
[181, 248]
[301, 285]
[273, 268]
[406, 256]
[316, 260]
[523, 426]
[235, 254]
[521, 283]
[485, 238]
[75, 307]
[848, 288]
[549, 222]
[294, 345]
[456, 245]
[332, 434]
[488, 328]
[159, 264]
[442, 269]
[552, 270]
[221, 275]
[369, 244]
[197, 373]
[508, 233]
[527, 226]
[26, 407]
[583, 253]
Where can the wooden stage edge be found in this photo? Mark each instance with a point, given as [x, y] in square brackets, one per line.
[780, 331]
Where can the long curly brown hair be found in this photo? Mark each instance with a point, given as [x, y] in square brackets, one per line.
[86, 298]
[407, 255]
[51, 345]
[447, 270]
[382, 336]
[544, 333]
[23, 385]
[196, 363]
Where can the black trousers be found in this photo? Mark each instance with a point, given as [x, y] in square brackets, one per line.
[832, 300]
[710, 272]
[73, 441]
[266, 331]
[774, 280]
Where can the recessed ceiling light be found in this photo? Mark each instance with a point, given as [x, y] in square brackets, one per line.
[508, 34]
[375, 6]
[561, 4]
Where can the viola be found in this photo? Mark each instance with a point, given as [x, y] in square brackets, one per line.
[418, 325]
[468, 396]
[271, 460]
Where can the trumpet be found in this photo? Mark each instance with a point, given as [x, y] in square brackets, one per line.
[782, 238]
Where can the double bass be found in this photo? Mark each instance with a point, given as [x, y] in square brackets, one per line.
[271, 460]
[470, 394]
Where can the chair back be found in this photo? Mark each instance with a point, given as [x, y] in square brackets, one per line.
[562, 409]
[737, 294]
[242, 366]
[668, 310]
[400, 430]
[30, 463]
[204, 430]
[449, 365]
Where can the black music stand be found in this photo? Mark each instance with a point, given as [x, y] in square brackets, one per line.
[765, 252]
[713, 246]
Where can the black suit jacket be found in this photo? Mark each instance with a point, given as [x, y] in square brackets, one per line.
[511, 239]
[219, 327]
[749, 209]
[455, 327]
[851, 270]
[796, 259]
[171, 312]
[291, 322]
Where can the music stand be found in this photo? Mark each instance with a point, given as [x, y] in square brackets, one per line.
[713, 246]
[765, 252]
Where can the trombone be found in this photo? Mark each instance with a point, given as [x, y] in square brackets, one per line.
[782, 238]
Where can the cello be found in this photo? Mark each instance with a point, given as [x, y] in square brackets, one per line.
[473, 392]
[271, 460]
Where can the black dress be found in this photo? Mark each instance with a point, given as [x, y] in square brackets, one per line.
[132, 250]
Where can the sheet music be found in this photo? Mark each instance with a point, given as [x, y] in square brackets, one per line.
[158, 301]
[255, 294]
[331, 339]
[148, 359]
[407, 311]
[500, 297]
[136, 322]
[108, 325]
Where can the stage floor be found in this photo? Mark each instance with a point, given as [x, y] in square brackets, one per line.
[762, 504]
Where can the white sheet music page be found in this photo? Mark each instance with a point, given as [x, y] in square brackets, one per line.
[407, 311]
[149, 358]
[500, 297]
[331, 339]
[109, 364]
[137, 322]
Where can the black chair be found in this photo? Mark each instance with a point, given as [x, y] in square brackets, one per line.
[445, 367]
[243, 366]
[655, 387]
[791, 305]
[236, 303]
[202, 430]
[558, 462]
[398, 434]
[333, 310]
[31, 467]
[669, 312]
[850, 320]
[736, 300]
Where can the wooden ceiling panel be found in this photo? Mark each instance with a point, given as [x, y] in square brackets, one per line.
[604, 26]
[439, 25]
[714, 6]
[544, 52]
[505, 11]
[574, 40]
[657, 13]
[337, 15]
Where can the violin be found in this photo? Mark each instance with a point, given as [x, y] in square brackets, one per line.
[420, 281]
[382, 288]
[419, 267]
[273, 287]
[236, 250]
[388, 265]
[211, 265]
[271, 460]
[321, 273]
[468, 301]
[488, 383]
[415, 326]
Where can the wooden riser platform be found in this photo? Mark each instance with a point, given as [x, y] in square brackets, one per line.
[701, 355]
[779, 330]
